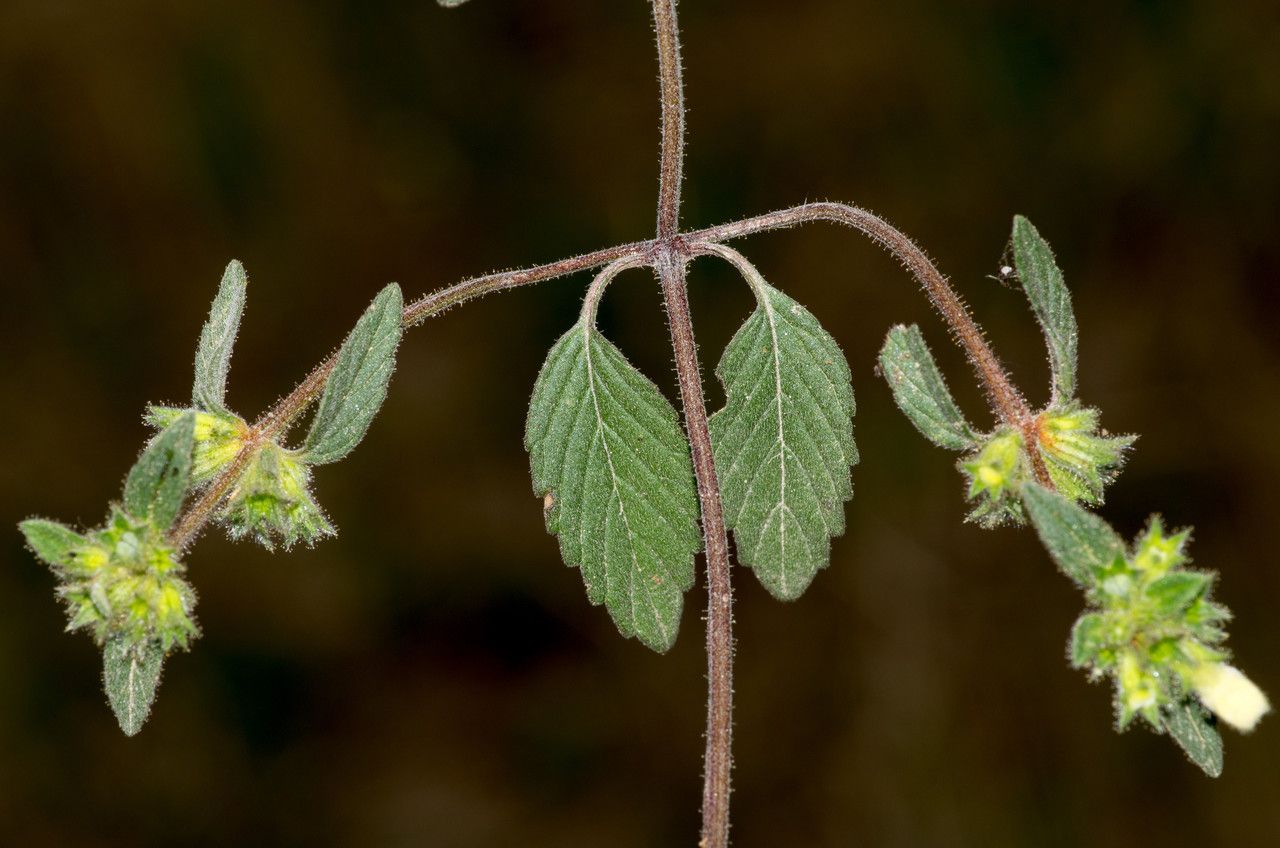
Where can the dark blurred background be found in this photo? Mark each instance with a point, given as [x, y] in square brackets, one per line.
[434, 676]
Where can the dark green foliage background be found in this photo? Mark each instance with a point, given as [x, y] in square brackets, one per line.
[434, 676]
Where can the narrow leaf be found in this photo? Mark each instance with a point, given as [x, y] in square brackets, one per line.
[51, 541]
[1042, 281]
[611, 461]
[784, 442]
[1190, 726]
[159, 479]
[920, 391]
[213, 355]
[358, 384]
[1080, 542]
[131, 673]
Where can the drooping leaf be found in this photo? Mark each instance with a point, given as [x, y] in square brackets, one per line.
[920, 391]
[131, 673]
[159, 479]
[1050, 300]
[51, 541]
[1080, 542]
[1194, 731]
[358, 384]
[784, 442]
[213, 355]
[612, 463]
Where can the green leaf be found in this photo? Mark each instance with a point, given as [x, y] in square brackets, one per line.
[1080, 542]
[358, 383]
[131, 673]
[1194, 731]
[213, 355]
[1175, 592]
[1087, 639]
[51, 541]
[784, 442]
[612, 463]
[1051, 302]
[920, 391]
[159, 479]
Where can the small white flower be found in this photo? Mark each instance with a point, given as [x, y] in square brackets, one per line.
[1234, 697]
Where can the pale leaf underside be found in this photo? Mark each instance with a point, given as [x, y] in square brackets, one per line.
[784, 442]
[607, 452]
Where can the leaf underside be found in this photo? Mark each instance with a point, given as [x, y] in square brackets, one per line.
[784, 442]
[357, 385]
[1192, 728]
[921, 392]
[131, 673]
[213, 355]
[609, 456]
[1050, 301]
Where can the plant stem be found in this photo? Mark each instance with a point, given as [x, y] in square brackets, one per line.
[277, 420]
[669, 257]
[718, 758]
[671, 82]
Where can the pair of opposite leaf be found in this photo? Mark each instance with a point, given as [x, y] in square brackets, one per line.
[123, 582]
[609, 456]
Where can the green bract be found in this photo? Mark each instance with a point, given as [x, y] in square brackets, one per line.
[219, 436]
[271, 502]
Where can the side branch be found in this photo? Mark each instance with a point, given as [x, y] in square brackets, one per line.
[1005, 399]
[277, 420]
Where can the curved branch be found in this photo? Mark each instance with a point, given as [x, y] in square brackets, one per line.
[1005, 400]
[277, 420]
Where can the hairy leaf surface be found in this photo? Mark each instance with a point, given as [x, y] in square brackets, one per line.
[213, 355]
[358, 384]
[131, 674]
[1190, 726]
[159, 479]
[1080, 542]
[1050, 301]
[612, 463]
[784, 442]
[920, 391]
[51, 541]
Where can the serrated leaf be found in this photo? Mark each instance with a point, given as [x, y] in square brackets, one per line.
[131, 673]
[609, 456]
[159, 479]
[784, 442]
[1191, 727]
[920, 391]
[51, 541]
[1080, 542]
[1050, 300]
[213, 355]
[358, 384]
[1174, 592]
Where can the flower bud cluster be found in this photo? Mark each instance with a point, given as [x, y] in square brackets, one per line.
[126, 582]
[1158, 635]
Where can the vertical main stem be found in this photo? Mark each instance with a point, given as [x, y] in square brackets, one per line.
[669, 257]
[671, 81]
[718, 758]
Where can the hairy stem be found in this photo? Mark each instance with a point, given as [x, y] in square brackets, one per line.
[277, 420]
[671, 80]
[718, 759]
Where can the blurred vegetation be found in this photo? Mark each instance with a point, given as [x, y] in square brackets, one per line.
[439, 678]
